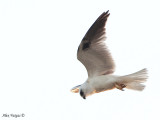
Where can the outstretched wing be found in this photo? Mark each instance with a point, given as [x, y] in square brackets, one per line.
[92, 52]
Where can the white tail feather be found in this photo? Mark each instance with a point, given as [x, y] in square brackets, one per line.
[134, 81]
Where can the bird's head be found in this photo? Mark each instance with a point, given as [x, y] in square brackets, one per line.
[82, 94]
[85, 90]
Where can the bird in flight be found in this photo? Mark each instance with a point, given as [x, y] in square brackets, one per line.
[95, 56]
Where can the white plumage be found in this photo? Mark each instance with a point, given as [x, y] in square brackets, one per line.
[96, 58]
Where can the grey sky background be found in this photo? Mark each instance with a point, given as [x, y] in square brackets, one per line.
[38, 64]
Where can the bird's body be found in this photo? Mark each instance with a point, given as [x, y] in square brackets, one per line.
[103, 82]
[108, 82]
[94, 55]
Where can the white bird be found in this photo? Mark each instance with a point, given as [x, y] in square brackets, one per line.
[96, 58]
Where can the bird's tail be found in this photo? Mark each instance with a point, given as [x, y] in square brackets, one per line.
[134, 81]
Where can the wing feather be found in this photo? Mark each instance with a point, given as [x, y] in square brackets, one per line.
[92, 51]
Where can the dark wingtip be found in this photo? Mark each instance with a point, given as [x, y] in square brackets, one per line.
[107, 13]
[98, 25]
[104, 15]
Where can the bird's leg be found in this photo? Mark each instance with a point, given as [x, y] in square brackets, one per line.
[120, 86]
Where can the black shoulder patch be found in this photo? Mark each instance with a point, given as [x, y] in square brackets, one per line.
[86, 45]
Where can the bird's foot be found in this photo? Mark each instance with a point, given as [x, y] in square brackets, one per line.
[120, 86]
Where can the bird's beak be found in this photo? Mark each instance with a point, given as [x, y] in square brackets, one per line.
[84, 97]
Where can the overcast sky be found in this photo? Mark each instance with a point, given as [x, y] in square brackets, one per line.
[38, 63]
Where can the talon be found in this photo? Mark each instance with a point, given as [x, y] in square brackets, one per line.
[123, 86]
[120, 86]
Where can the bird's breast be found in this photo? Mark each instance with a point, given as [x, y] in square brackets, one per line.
[102, 83]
